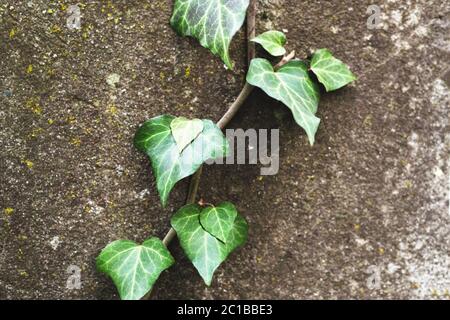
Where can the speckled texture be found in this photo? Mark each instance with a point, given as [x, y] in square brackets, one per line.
[372, 193]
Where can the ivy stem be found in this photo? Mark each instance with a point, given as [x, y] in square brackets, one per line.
[232, 111]
[251, 54]
[234, 108]
[192, 195]
[251, 30]
[223, 122]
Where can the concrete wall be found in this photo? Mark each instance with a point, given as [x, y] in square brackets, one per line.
[370, 198]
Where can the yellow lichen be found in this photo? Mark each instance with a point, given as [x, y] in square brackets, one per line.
[12, 33]
[408, 184]
[112, 109]
[28, 163]
[368, 121]
[381, 251]
[30, 69]
[187, 72]
[36, 132]
[75, 142]
[8, 211]
[50, 121]
[34, 106]
[71, 195]
[55, 29]
[87, 31]
[71, 119]
[446, 293]
[23, 273]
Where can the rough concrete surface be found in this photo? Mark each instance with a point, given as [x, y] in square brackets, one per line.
[368, 202]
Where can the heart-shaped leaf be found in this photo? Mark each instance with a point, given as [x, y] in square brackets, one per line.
[291, 85]
[134, 268]
[219, 221]
[212, 22]
[273, 42]
[169, 165]
[205, 251]
[184, 131]
[331, 72]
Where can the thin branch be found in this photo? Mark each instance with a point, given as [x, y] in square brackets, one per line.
[228, 116]
[234, 108]
[285, 60]
[232, 111]
[251, 30]
[192, 194]
[223, 122]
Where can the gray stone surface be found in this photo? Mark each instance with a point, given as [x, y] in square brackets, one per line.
[370, 198]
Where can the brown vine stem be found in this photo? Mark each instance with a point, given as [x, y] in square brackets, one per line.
[234, 108]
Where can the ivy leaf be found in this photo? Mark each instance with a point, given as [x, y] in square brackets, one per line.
[219, 221]
[331, 72]
[205, 251]
[155, 138]
[212, 22]
[134, 268]
[291, 85]
[273, 42]
[184, 131]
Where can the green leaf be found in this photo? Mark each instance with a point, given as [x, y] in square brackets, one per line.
[273, 42]
[219, 221]
[331, 72]
[291, 85]
[134, 268]
[212, 22]
[155, 138]
[205, 251]
[184, 131]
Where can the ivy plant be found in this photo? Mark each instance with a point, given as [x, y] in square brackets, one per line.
[177, 147]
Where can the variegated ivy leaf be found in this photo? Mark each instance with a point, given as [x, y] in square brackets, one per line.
[273, 42]
[291, 85]
[212, 22]
[331, 72]
[155, 138]
[205, 251]
[219, 221]
[134, 268]
[184, 131]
